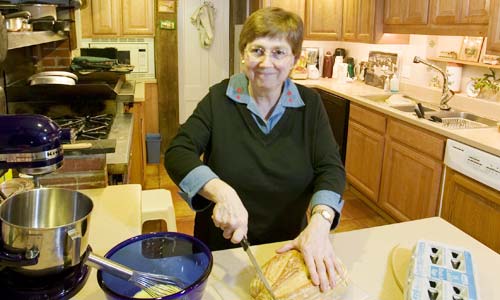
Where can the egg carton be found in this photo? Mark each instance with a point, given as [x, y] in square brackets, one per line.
[439, 271]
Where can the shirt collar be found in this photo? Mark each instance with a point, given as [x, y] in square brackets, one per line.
[237, 90]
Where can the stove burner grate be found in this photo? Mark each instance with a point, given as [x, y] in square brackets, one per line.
[88, 127]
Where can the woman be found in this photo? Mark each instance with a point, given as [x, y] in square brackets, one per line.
[268, 153]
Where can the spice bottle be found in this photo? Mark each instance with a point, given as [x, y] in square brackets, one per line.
[327, 65]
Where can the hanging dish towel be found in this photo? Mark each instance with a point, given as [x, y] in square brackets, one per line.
[203, 19]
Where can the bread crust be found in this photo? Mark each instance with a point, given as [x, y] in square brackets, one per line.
[289, 278]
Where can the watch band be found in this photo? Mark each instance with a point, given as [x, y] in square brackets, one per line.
[325, 214]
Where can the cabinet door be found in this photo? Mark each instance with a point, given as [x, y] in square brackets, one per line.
[393, 11]
[349, 20]
[410, 183]
[415, 12]
[137, 17]
[105, 17]
[366, 20]
[296, 6]
[323, 19]
[472, 207]
[364, 157]
[475, 12]
[445, 12]
[493, 45]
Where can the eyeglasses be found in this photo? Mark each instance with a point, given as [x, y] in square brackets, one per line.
[258, 53]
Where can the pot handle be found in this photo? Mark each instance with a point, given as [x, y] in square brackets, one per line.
[76, 243]
[8, 259]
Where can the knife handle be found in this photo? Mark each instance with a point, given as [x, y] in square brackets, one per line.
[245, 244]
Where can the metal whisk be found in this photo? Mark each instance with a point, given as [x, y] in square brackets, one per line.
[155, 285]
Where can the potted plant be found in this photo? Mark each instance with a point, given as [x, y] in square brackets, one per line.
[488, 86]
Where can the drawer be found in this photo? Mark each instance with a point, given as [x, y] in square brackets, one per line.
[417, 138]
[368, 118]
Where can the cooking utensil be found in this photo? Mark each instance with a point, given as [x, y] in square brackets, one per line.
[56, 73]
[40, 10]
[156, 285]
[17, 21]
[59, 80]
[77, 146]
[246, 246]
[43, 24]
[47, 226]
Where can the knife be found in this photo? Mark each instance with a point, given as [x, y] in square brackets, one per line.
[246, 246]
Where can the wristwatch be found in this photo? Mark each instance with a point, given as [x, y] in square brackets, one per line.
[326, 214]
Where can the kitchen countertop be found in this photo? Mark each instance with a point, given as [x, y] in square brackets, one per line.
[366, 255]
[487, 139]
[121, 131]
[365, 252]
[116, 217]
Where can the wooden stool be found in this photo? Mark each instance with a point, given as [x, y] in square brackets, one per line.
[157, 206]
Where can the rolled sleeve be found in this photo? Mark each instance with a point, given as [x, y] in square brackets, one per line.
[330, 199]
[191, 185]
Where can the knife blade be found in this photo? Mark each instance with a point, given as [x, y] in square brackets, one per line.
[246, 246]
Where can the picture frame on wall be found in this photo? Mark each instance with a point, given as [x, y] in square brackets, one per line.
[471, 48]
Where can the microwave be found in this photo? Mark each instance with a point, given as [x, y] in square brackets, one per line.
[139, 53]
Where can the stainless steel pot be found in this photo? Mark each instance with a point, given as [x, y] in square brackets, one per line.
[40, 10]
[61, 80]
[17, 21]
[48, 226]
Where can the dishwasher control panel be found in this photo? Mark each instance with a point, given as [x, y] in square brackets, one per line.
[474, 163]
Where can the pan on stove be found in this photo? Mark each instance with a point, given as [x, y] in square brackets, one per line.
[53, 77]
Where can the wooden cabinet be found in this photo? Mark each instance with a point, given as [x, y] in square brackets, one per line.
[365, 150]
[438, 17]
[411, 175]
[473, 207]
[395, 165]
[137, 160]
[362, 20]
[296, 6]
[118, 18]
[493, 46]
[451, 12]
[323, 19]
[407, 12]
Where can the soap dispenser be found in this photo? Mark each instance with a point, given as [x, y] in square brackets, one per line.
[394, 84]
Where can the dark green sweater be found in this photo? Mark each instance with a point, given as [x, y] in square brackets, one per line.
[275, 175]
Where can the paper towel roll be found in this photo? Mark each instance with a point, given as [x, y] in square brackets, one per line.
[454, 72]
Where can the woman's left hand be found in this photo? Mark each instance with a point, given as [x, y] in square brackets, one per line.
[314, 244]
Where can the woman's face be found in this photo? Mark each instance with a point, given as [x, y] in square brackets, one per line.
[268, 61]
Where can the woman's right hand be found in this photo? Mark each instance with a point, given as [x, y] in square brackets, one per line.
[229, 213]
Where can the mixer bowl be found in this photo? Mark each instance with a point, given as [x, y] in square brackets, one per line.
[169, 253]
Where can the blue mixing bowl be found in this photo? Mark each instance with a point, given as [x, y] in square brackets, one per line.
[168, 253]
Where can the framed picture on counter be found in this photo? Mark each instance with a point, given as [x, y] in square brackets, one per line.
[471, 48]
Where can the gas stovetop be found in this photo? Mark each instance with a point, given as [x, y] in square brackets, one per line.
[88, 127]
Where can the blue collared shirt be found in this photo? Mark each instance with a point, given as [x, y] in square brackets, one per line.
[237, 91]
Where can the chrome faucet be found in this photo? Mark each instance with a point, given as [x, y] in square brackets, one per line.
[446, 93]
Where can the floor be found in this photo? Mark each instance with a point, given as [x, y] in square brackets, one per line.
[355, 214]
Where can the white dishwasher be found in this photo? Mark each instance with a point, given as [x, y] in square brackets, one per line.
[474, 163]
[471, 192]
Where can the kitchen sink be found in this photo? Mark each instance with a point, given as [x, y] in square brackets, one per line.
[460, 120]
[377, 97]
[411, 108]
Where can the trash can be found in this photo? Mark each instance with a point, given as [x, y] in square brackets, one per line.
[153, 143]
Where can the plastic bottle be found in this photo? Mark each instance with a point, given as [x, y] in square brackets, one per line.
[387, 84]
[394, 84]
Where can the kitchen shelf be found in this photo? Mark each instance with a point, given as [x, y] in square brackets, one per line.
[31, 38]
[463, 62]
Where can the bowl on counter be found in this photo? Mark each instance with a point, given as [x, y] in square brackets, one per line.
[168, 253]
